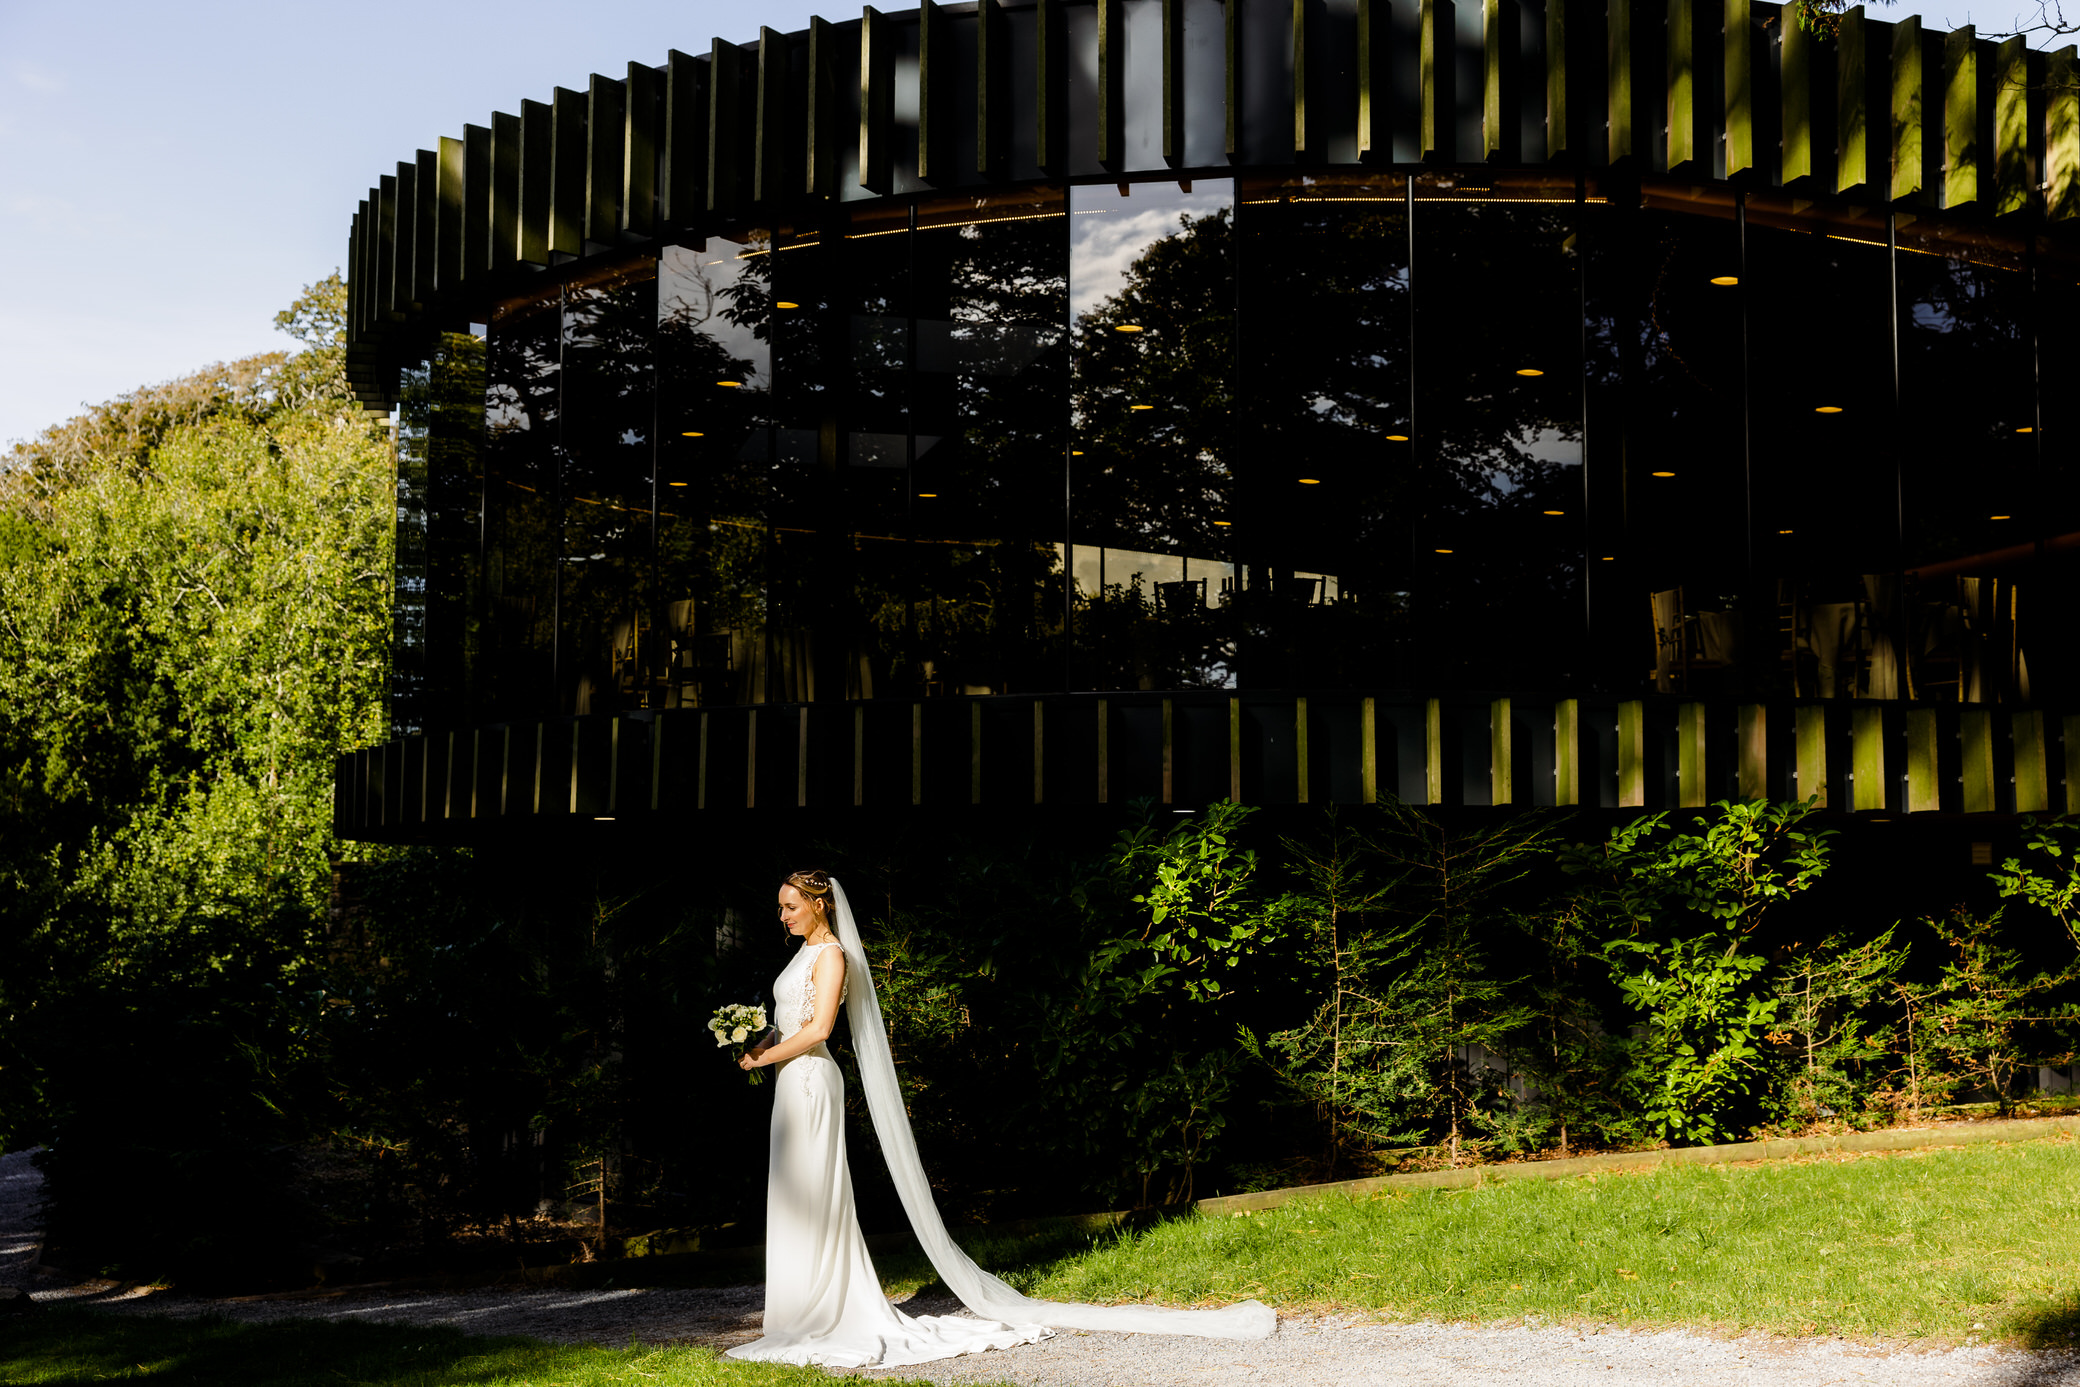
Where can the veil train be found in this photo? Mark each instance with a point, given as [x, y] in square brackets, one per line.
[978, 1290]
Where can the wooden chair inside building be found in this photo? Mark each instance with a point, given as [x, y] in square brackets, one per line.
[1690, 646]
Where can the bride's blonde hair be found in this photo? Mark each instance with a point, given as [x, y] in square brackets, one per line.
[815, 886]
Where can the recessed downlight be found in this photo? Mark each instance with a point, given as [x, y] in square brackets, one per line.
[927, 495]
[731, 384]
[1556, 512]
[1664, 474]
[1127, 327]
[1310, 481]
[1140, 407]
[693, 433]
[1529, 371]
[1726, 279]
[783, 303]
[1440, 551]
[1827, 409]
[1224, 522]
[1397, 438]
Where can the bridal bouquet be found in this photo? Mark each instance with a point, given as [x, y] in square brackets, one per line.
[736, 1024]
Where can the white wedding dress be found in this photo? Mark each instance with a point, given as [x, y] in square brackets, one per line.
[824, 1304]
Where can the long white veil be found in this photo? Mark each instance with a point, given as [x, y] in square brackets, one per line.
[978, 1290]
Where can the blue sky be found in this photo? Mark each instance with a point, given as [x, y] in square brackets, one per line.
[174, 174]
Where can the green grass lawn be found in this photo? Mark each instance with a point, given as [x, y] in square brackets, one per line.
[1933, 1246]
[64, 1348]
[1938, 1245]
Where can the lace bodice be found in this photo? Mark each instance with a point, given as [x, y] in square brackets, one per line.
[794, 991]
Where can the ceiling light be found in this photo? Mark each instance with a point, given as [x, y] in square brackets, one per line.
[1726, 279]
[1529, 371]
[783, 303]
[1224, 522]
[1310, 481]
[1783, 532]
[1556, 512]
[1441, 551]
[732, 384]
[1126, 327]
[1610, 558]
[2026, 429]
[927, 495]
[1076, 452]
[675, 483]
[1664, 474]
[2000, 517]
[1397, 438]
[693, 433]
[1827, 409]
[1140, 406]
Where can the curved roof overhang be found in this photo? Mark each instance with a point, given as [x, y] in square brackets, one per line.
[962, 96]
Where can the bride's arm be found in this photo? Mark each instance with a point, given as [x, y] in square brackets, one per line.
[829, 973]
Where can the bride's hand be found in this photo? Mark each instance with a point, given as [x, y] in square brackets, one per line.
[753, 1059]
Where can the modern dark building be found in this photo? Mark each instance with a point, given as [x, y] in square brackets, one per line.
[1626, 404]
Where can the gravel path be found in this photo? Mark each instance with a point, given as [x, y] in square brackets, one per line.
[1307, 1350]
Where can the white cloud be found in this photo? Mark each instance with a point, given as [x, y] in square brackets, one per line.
[1105, 245]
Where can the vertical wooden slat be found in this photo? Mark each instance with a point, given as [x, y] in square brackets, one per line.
[357, 279]
[726, 80]
[1688, 147]
[537, 162]
[568, 159]
[1436, 72]
[639, 139]
[917, 753]
[937, 84]
[1924, 792]
[1632, 754]
[426, 201]
[1962, 155]
[801, 759]
[448, 216]
[1173, 79]
[1051, 86]
[1754, 751]
[1375, 79]
[659, 730]
[1691, 788]
[684, 195]
[1975, 758]
[859, 754]
[769, 120]
[1501, 44]
[1368, 752]
[477, 144]
[877, 96]
[1739, 83]
[751, 761]
[2032, 783]
[1039, 752]
[1867, 757]
[2062, 135]
[1909, 102]
[993, 87]
[613, 766]
[386, 249]
[1104, 752]
[1626, 139]
[1501, 759]
[1809, 732]
[1234, 751]
[1300, 748]
[1112, 84]
[2011, 127]
[1567, 752]
[974, 752]
[1231, 82]
[1795, 91]
[825, 118]
[606, 158]
[1299, 20]
[700, 774]
[1169, 751]
[1854, 135]
[2070, 728]
[1433, 751]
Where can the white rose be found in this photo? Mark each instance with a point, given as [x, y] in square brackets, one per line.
[759, 1018]
[737, 1036]
[721, 1041]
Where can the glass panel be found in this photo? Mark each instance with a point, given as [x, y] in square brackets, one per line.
[605, 632]
[714, 377]
[1329, 517]
[1969, 462]
[522, 413]
[1497, 500]
[1152, 293]
[453, 410]
[1826, 480]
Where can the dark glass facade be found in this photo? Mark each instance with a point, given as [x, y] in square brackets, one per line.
[1340, 429]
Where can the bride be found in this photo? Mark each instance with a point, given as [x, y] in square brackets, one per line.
[824, 1303]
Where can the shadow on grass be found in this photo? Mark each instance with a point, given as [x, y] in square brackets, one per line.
[70, 1348]
[2051, 1324]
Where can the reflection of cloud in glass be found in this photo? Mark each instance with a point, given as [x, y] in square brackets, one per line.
[1108, 233]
